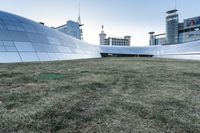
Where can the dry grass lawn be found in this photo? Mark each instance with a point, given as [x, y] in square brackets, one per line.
[109, 95]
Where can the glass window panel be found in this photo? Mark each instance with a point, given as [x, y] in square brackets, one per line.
[29, 28]
[60, 56]
[28, 56]
[8, 43]
[24, 46]
[11, 27]
[43, 56]
[53, 40]
[19, 36]
[2, 48]
[1, 43]
[2, 25]
[4, 35]
[39, 48]
[64, 49]
[37, 38]
[52, 48]
[20, 28]
[9, 57]
[72, 50]
[41, 32]
[53, 56]
[10, 49]
[78, 51]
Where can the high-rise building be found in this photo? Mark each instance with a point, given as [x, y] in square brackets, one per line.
[172, 24]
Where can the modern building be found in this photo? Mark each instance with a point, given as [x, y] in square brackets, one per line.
[177, 33]
[114, 41]
[172, 23]
[189, 30]
[71, 28]
[158, 39]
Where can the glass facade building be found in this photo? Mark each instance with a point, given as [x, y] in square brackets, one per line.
[23, 40]
[172, 24]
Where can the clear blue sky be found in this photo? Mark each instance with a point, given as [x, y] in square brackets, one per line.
[120, 17]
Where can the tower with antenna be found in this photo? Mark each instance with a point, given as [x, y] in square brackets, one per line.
[175, 4]
[172, 25]
[79, 21]
[102, 36]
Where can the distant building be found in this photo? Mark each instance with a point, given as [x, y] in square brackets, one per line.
[189, 30]
[114, 41]
[102, 36]
[176, 32]
[172, 27]
[71, 28]
[158, 39]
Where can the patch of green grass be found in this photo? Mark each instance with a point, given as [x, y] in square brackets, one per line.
[101, 95]
[50, 76]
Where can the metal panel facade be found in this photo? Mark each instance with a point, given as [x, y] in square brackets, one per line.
[23, 40]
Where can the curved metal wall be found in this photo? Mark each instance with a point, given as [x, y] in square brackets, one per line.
[23, 40]
[190, 50]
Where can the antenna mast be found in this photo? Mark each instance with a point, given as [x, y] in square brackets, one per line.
[175, 4]
[79, 15]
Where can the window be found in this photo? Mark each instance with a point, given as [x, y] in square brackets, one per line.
[8, 43]
[19, 36]
[43, 56]
[28, 56]
[9, 57]
[24, 46]
[4, 35]
[2, 49]
[10, 49]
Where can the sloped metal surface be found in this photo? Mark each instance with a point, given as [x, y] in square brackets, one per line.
[23, 40]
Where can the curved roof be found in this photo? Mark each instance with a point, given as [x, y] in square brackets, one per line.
[23, 40]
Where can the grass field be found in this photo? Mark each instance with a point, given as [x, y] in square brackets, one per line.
[109, 95]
